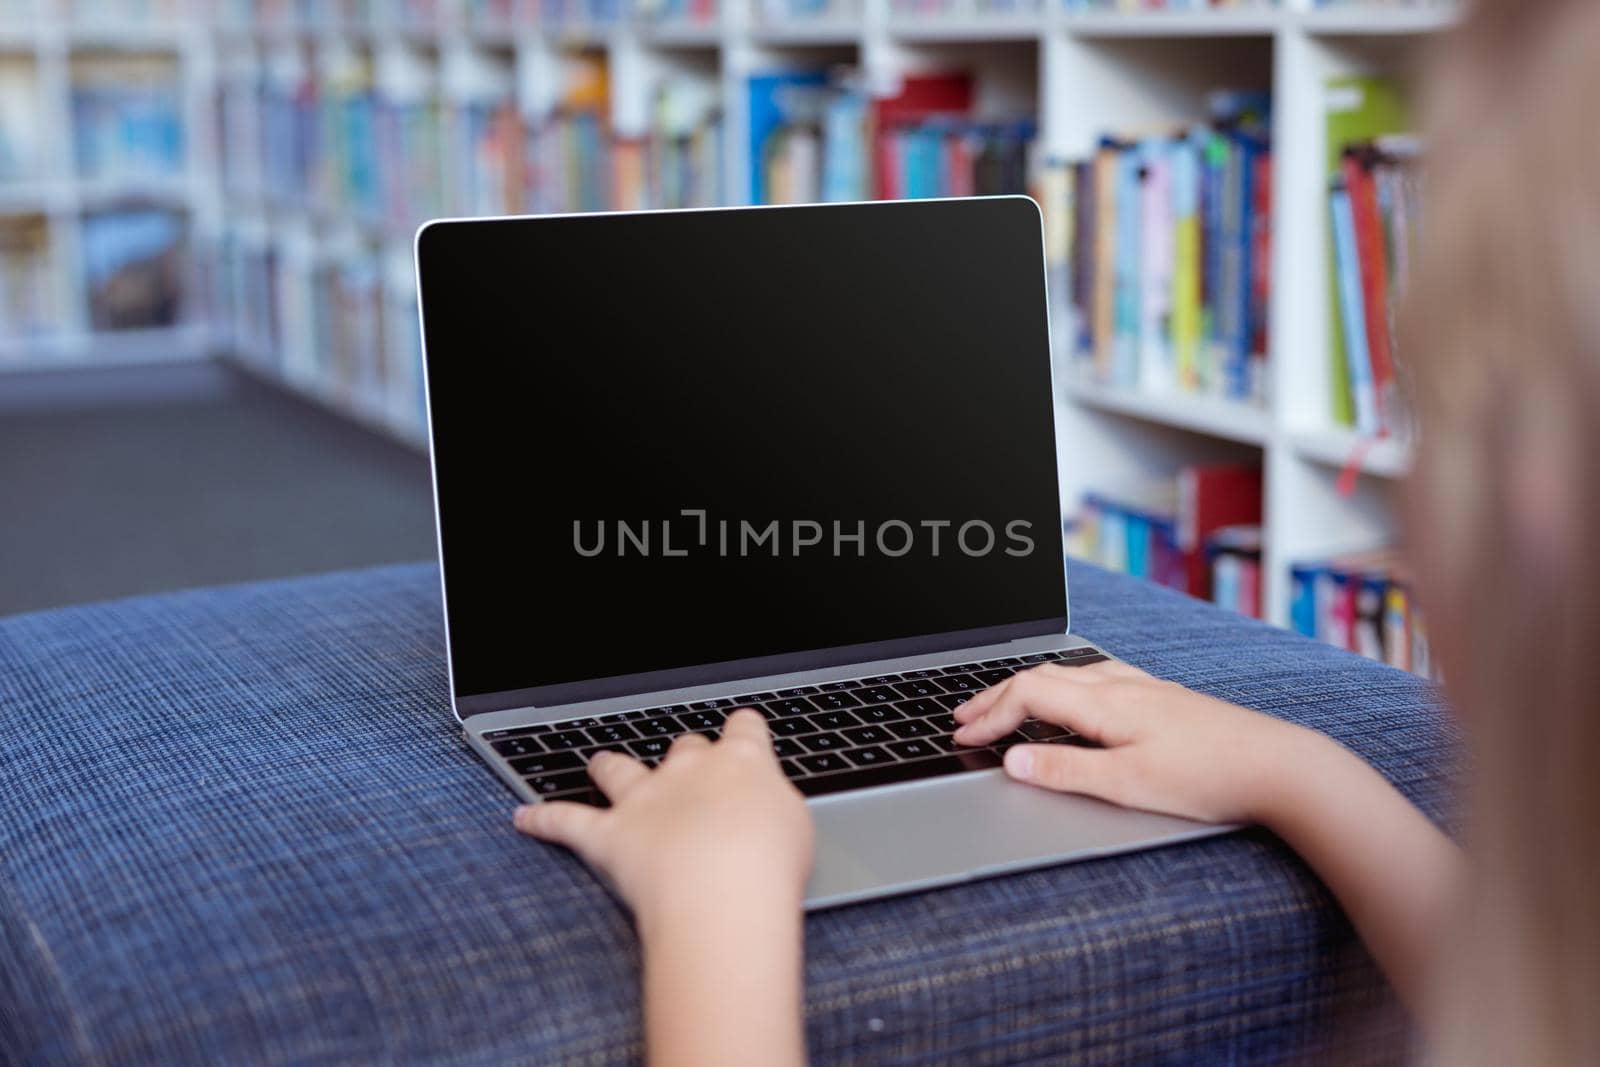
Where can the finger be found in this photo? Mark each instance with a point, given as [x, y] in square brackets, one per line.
[685, 743]
[1066, 769]
[616, 773]
[1062, 699]
[561, 822]
[1111, 668]
[746, 724]
[979, 703]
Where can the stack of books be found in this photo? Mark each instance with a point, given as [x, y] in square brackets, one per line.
[1362, 603]
[817, 136]
[127, 117]
[27, 290]
[1375, 210]
[1164, 255]
[1173, 532]
[135, 267]
[19, 120]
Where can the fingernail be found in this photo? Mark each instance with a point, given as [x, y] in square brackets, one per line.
[1019, 763]
[524, 816]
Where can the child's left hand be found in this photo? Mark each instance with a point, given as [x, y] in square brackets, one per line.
[714, 820]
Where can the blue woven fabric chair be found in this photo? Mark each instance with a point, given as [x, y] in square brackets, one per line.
[238, 825]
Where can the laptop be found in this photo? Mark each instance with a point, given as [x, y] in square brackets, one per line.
[801, 459]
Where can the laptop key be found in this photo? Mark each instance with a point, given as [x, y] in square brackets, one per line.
[835, 701]
[961, 683]
[825, 742]
[919, 709]
[650, 747]
[521, 731]
[797, 691]
[612, 734]
[567, 739]
[545, 784]
[915, 749]
[824, 763]
[868, 735]
[785, 747]
[918, 688]
[658, 727]
[834, 720]
[891, 772]
[702, 720]
[1034, 730]
[952, 701]
[867, 757]
[793, 726]
[518, 746]
[546, 763]
[1083, 661]
[912, 728]
[913, 675]
[791, 769]
[1038, 657]
[710, 705]
[792, 706]
[878, 694]
[839, 687]
[993, 677]
[591, 796]
[879, 713]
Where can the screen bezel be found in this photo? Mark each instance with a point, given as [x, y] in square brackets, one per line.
[561, 693]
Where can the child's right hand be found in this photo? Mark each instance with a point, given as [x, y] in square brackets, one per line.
[1166, 748]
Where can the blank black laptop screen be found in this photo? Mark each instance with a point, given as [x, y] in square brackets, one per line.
[665, 442]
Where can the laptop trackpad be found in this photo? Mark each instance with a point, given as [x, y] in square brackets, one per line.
[970, 826]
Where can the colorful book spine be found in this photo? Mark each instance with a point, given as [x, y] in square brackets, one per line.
[1352, 311]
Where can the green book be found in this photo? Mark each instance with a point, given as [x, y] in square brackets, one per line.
[1359, 108]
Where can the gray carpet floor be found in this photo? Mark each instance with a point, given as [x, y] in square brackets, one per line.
[135, 480]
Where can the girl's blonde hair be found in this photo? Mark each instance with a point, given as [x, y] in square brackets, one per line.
[1502, 331]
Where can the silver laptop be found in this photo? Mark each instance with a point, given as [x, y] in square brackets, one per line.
[801, 459]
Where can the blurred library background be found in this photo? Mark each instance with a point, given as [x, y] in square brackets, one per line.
[209, 352]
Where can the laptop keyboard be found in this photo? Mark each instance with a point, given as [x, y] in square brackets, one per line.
[829, 738]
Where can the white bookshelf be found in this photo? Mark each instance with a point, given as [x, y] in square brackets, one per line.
[1082, 73]
[55, 36]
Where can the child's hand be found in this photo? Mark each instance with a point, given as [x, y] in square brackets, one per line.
[1167, 749]
[713, 821]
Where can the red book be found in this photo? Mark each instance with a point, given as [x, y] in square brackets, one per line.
[921, 96]
[1261, 254]
[1374, 277]
[1211, 496]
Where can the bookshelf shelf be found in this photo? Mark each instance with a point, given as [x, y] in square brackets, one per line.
[999, 27]
[1351, 20]
[1226, 420]
[1383, 457]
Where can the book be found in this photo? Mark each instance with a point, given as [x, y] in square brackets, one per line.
[1358, 386]
[920, 97]
[775, 103]
[1357, 108]
[1165, 531]
[134, 267]
[127, 117]
[28, 307]
[1170, 258]
[20, 132]
[1362, 602]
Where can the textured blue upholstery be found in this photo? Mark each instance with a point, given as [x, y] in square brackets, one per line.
[238, 825]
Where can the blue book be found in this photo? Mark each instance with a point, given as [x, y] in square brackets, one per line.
[1126, 301]
[1353, 310]
[1236, 378]
[920, 159]
[1303, 579]
[767, 111]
